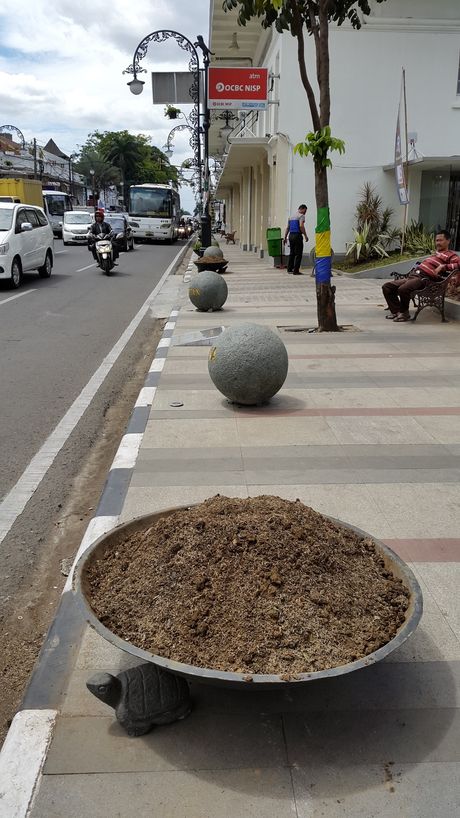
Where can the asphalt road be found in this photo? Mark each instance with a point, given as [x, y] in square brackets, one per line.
[54, 335]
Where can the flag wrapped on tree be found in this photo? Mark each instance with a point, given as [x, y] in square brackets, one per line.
[312, 16]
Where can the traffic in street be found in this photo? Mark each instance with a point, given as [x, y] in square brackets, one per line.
[76, 348]
[55, 332]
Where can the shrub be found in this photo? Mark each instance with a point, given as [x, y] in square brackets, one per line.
[419, 240]
[373, 234]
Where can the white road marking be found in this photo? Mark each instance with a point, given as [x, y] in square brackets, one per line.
[157, 365]
[22, 758]
[19, 295]
[17, 498]
[146, 396]
[164, 342]
[60, 252]
[127, 452]
[80, 269]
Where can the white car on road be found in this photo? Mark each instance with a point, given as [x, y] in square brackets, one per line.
[26, 242]
[75, 226]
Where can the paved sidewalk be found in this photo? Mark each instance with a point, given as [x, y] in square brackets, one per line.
[366, 429]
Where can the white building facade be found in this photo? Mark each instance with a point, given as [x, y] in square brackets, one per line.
[263, 181]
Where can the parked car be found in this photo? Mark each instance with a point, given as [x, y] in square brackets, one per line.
[26, 242]
[121, 227]
[75, 226]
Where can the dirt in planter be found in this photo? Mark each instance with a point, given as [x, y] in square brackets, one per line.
[258, 585]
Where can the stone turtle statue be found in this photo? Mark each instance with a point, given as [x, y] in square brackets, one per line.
[143, 696]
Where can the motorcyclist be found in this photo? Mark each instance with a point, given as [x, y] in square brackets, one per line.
[98, 230]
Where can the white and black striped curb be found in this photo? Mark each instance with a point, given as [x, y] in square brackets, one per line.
[25, 748]
[46, 686]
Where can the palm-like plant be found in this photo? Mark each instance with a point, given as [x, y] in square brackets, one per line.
[366, 244]
[373, 234]
[105, 174]
[125, 151]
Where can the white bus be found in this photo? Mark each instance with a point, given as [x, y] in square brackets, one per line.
[56, 203]
[154, 212]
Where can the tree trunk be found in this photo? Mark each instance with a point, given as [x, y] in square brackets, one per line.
[325, 293]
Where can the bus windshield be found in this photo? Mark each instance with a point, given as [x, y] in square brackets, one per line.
[145, 202]
[57, 205]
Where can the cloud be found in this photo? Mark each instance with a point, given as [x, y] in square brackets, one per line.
[61, 65]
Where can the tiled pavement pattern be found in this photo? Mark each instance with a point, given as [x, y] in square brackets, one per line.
[366, 429]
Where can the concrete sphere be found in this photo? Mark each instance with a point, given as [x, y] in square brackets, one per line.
[208, 291]
[248, 364]
[213, 252]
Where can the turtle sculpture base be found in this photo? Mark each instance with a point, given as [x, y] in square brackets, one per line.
[143, 697]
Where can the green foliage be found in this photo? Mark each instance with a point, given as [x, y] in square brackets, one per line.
[366, 244]
[284, 14]
[172, 112]
[418, 240]
[105, 173]
[318, 146]
[126, 157]
[373, 234]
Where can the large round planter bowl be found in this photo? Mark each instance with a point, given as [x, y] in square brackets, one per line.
[213, 264]
[208, 291]
[248, 363]
[259, 681]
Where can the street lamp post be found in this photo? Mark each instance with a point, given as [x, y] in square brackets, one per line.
[71, 158]
[92, 188]
[136, 87]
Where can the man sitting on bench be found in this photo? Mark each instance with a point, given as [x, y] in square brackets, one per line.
[398, 293]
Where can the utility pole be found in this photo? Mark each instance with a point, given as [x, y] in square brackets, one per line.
[206, 234]
[35, 158]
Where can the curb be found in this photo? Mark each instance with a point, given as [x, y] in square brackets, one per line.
[24, 751]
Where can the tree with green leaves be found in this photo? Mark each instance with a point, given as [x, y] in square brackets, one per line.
[313, 18]
[105, 174]
[127, 158]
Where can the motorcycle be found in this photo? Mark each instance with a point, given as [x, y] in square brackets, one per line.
[104, 251]
[181, 232]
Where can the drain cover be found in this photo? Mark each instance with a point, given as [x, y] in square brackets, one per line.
[342, 328]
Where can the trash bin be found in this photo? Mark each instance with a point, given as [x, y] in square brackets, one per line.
[274, 242]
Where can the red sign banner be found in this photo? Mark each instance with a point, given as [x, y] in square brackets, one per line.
[238, 88]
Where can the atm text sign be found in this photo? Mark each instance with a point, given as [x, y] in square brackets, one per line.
[238, 88]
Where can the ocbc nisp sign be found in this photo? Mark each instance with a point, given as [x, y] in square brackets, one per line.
[238, 88]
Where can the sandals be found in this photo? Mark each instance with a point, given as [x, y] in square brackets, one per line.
[402, 316]
[391, 316]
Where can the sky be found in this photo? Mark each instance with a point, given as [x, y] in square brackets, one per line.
[61, 64]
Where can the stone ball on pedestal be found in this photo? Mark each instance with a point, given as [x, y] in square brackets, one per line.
[208, 291]
[213, 252]
[248, 363]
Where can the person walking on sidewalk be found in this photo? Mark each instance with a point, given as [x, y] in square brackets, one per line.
[295, 229]
[398, 293]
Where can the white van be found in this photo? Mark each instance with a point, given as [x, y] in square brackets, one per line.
[75, 226]
[26, 242]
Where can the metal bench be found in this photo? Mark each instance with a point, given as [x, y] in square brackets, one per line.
[230, 237]
[433, 295]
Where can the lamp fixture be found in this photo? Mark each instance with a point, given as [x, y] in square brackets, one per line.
[136, 86]
[226, 129]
